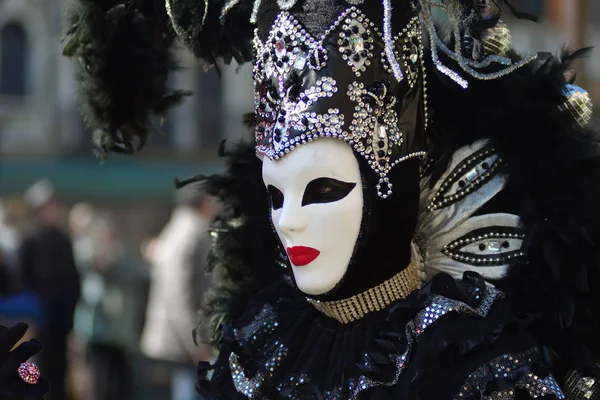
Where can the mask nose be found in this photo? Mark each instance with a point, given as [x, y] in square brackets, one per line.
[291, 220]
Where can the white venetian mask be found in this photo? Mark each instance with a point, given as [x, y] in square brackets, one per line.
[317, 206]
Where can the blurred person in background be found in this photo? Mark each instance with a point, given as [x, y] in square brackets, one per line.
[178, 282]
[47, 267]
[80, 225]
[80, 222]
[104, 317]
[18, 305]
[10, 239]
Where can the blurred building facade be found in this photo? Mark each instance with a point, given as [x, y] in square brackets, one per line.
[42, 136]
[39, 114]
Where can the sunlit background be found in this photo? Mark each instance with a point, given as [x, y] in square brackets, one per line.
[42, 136]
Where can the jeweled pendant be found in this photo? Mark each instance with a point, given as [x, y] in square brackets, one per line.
[300, 62]
[381, 132]
[495, 246]
[472, 174]
[280, 48]
[358, 44]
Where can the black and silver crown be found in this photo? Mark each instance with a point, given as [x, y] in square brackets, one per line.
[341, 82]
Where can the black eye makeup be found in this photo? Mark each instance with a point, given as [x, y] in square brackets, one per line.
[326, 190]
[275, 197]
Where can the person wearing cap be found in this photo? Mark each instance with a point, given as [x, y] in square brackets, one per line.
[47, 267]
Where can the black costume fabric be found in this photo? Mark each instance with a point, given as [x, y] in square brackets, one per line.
[548, 313]
[397, 213]
[522, 319]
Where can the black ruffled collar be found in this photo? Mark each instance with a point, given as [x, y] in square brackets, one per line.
[284, 348]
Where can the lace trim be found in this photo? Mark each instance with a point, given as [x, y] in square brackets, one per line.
[375, 299]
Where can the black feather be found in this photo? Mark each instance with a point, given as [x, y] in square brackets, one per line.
[218, 35]
[124, 58]
[244, 253]
[123, 49]
[554, 173]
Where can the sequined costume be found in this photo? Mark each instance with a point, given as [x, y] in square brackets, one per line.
[475, 273]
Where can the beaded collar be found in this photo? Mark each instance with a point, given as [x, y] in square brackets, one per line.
[375, 299]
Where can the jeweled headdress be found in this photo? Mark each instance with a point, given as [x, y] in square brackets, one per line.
[347, 69]
[338, 81]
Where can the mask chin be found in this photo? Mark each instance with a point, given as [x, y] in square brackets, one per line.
[383, 247]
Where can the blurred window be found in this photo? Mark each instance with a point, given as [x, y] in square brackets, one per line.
[13, 60]
[211, 108]
[594, 11]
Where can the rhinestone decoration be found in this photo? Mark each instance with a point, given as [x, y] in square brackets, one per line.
[467, 177]
[288, 48]
[440, 306]
[578, 104]
[508, 367]
[183, 32]
[286, 4]
[249, 387]
[415, 328]
[276, 116]
[389, 40]
[470, 66]
[255, 334]
[226, 8]
[374, 131]
[264, 324]
[377, 298]
[534, 385]
[275, 352]
[287, 118]
[488, 247]
[293, 381]
[356, 42]
[578, 387]
[408, 47]
[255, 8]
[29, 373]
[539, 387]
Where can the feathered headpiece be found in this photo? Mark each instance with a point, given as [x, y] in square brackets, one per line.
[124, 50]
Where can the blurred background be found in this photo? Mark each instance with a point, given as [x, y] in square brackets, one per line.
[114, 217]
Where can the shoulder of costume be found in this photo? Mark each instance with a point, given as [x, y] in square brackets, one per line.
[535, 121]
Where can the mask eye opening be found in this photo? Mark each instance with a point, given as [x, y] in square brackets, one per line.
[326, 190]
[275, 197]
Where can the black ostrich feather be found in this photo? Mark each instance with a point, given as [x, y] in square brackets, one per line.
[244, 255]
[124, 53]
[123, 49]
[554, 185]
[215, 29]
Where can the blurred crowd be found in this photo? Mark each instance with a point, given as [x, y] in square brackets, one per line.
[115, 322]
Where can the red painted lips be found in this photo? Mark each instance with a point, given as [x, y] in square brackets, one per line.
[301, 256]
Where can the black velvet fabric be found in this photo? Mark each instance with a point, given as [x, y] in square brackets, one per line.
[328, 355]
[383, 247]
